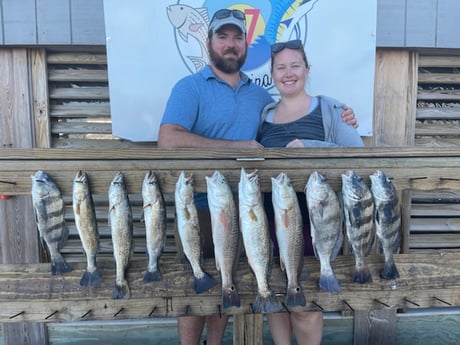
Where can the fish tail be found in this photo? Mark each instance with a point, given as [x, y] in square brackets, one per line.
[269, 304]
[230, 297]
[390, 271]
[59, 266]
[204, 283]
[362, 275]
[121, 291]
[295, 297]
[91, 278]
[152, 276]
[329, 283]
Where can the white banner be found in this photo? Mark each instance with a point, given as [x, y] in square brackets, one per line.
[152, 44]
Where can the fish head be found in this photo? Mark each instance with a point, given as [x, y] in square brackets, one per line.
[184, 188]
[249, 182]
[150, 187]
[353, 185]
[43, 185]
[80, 185]
[219, 191]
[317, 187]
[381, 185]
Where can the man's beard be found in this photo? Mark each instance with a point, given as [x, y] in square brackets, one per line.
[224, 64]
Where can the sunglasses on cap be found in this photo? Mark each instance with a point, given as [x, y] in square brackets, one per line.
[225, 13]
[294, 44]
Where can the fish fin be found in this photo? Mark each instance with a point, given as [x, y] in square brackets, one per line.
[230, 297]
[269, 304]
[204, 284]
[282, 265]
[59, 266]
[285, 218]
[252, 215]
[121, 291]
[390, 271]
[295, 297]
[321, 209]
[203, 11]
[91, 278]
[77, 208]
[194, 27]
[142, 218]
[362, 275]
[329, 283]
[153, 276]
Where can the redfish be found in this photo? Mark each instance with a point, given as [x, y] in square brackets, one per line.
[256, 240]
[289, 234]
[189, 231]
[326, 217]
[225, 235]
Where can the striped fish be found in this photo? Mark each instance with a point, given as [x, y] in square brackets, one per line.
[49, 216]
[387, 217]
[358, 207]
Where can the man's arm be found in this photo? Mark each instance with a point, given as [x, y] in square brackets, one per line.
[176, 136]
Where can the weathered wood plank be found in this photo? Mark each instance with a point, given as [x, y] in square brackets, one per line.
[40, 99]
[80, 75]
[30, 293]
[431, 225]
[80, 109]
[437, 240]
[439, 78]
[433, 129]
[439, 95]
[444, 113]
[427, 141]
[439, 61]
[77, 58]
[94, 92]
[438, 209]
[375, 327]
[82, 127]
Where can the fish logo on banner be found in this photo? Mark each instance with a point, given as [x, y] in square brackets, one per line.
[267, 22]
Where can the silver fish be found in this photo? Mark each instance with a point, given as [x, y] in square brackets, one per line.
[358, 207]
[85, 220]
[49, 216]
[387, 217]
[121, 223]
[326, 217]
[154, 215]
[225, 235]
[256, 240]
[189, 231]
[289, 233]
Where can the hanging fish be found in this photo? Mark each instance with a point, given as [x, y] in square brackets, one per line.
[154, 216]
[189, 231]
[387, 217]
[225, 235]
[326, 219]
[289, 234]
[358, 207]
[121, 224]
[256, 240]
[85, 220]
[49, 216]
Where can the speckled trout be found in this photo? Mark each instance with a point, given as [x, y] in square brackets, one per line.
[49, 216]
[256, 240]
[225, 234]
[387, 217]
[189, 231]
[289, 234]
[121, 224]
[85, 220]
[358, 207]
[326, 218]
[154, 217]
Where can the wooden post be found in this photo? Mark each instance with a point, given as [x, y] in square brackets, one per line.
[377, 326]
[18, 244]
[248, 329]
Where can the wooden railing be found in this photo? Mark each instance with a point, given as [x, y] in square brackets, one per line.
[28, 292]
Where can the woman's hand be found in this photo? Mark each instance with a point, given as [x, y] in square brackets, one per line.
[348, 116]
[295, 143]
